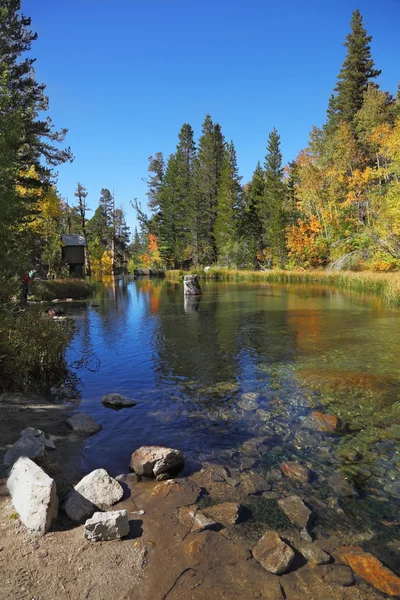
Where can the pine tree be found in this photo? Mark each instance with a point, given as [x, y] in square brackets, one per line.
[185, 159]
[356, 73]
[228, 202]
[271, 207]
[170, 214]
[251, 224]
[82, 208]
[207, 178]
[154, 182]
[39, 140]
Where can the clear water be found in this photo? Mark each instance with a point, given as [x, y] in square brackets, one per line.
[188, 363]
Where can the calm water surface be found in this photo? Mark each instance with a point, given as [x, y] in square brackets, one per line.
[248, 361]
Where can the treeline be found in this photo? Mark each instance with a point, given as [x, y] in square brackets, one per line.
[337, 203]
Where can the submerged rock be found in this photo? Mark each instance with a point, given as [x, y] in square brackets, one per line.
[341, 486]
[253, 483]
[81, 422]
[370, 568]
[33, 494]
[105, 526]
[117, 400]
[195, 520]
[272, 553]
[32, 443]
[157, 460]
[321, 422]
[311, 552]
[96, 491]
[227, 513]
[295, 470]
[338, 575]
[295, 510]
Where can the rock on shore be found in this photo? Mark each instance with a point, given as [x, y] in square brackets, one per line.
[96, 491]
[272, 553]
[34, 495]
[105, 526]
[32, 443]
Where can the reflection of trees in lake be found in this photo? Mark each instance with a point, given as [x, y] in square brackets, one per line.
[222, 337]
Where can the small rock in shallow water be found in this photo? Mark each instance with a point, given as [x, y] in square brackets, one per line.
[341, 486]
[295, 470]
[253, 483]
[274, 475]
[227, 513]
[311, 552]
[195, 520]
[105, 526]
[157, 460]
[272, 553]
[117, 400]
[321, 422]
[339, 575]
[83, 423]
[369, 568]
[295, 510]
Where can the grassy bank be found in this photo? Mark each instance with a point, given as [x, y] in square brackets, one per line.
[77, 289]
[387, 285]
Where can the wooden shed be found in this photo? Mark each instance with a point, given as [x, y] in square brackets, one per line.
[73, 253]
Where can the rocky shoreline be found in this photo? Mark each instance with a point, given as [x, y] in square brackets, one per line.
[216, 532]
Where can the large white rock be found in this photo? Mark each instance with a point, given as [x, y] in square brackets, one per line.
[104, 526]
[96, 491]
[32, 443]
[33, 494]
[156, 461]
[117, 400]
[81, 422]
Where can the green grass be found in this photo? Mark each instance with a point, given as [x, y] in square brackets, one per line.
[77, 289]
[387, 285]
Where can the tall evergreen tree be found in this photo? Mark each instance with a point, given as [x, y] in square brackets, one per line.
[207, 178]
[250, 226]
[155, 179]
[228, 202]
[356, 73]
[175, 200]
[39, 140]
[82, 209]
[271, 207]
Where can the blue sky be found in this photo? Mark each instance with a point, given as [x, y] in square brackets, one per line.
[124, 75]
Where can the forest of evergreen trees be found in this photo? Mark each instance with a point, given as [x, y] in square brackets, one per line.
[337, 203]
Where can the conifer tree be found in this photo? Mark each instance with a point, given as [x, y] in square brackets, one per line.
[207, 177]
[82, 209]
[39, 140]
[154, 182]
[228, 201]
[356, 73]
[250, 225]
[271, 207]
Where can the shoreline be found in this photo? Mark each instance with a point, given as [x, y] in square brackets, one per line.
[201, 563]
[386, 285]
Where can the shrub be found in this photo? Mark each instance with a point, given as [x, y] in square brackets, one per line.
[32, 349]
